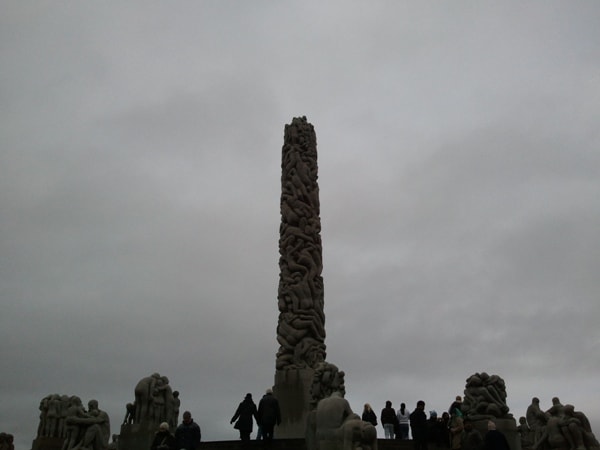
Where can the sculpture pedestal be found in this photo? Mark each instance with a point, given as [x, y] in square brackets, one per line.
[47, 443]
[137, 436]
[292, 390]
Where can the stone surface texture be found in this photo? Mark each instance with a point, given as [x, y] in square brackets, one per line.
[301, 323]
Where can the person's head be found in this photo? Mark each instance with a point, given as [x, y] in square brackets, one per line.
[433, 414]
[187, 417]
[535, 400]
[555, 401]
[388, 404]
[248, 397]
[491, 425]
[420, 404]
[445, 416]
[522, 420]
[93, 405]
[569, 410]
[367, 407]
[458, 399]
[176, 394]
[269, 391]
[163, 427]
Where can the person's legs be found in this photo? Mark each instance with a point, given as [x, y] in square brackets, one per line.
[389, 430]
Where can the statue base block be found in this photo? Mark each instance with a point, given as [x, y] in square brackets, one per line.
[47, 443]
[292, 390]
[137, 436]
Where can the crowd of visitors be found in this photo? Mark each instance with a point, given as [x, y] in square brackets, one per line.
[559, 427]
[450, 431]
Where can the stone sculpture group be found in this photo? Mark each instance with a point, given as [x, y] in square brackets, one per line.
[64, 419]
[560, 427]
[155, 402]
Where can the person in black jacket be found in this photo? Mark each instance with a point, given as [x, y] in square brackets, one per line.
[369, 415]
[388, 420]
[163, 439]
[268, 415]
[494, 439]
[187, 434]
[244, 414]
[418, 426]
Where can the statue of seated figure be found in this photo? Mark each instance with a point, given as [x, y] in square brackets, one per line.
[333, 426]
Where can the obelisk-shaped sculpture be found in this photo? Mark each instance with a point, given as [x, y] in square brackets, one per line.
[301, 324]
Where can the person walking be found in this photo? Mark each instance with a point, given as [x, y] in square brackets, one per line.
[268, 415]
[244, 417]
[188, 434]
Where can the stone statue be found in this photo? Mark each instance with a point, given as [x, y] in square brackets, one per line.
[74, 411]
[327, 379]
[86, 430]
[557, 409]
[143, 392]
[527, 436]
[172, 409]
[580, 421]
[6, 441]
[485, 397]
[536, 418]
[561, 427]
[333, 426]
[301, 324]
[154, 403]
[129, 414]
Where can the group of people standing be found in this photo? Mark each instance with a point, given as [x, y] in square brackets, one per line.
[267, 415]
[451, 431]
[188, 435]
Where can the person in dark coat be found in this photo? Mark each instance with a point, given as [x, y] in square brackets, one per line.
[418, 426]
[244, 414]
[369, 415]
[494, 439]
[268, 415]
[187, 434]
[388, 420]
[163, 439]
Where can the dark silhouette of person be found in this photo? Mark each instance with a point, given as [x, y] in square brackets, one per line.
[188, 434]
[494, 439]
[418, 426]
[268, 415]
[245, 414]
[369, 415]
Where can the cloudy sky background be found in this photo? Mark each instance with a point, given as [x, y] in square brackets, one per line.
[459, 170]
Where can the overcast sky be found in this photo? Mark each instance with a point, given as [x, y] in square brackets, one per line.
[459, 173]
